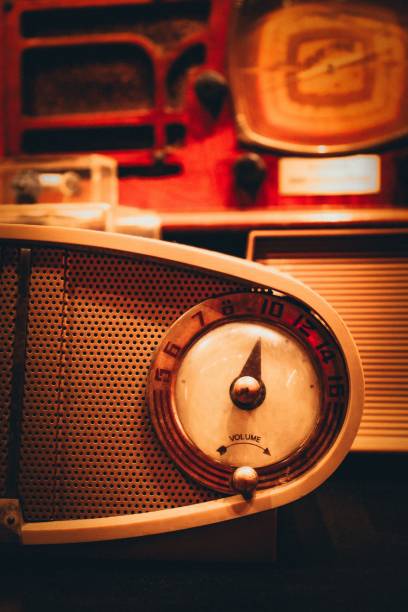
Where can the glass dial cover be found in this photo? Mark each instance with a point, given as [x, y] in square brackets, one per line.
[237, 436]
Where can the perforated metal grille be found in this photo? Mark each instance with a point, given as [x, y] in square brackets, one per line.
[42, 395]
[88, 446]
[8, 297]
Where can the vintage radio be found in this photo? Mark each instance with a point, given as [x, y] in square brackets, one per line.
[151, 388]
[223, 116]
[216, 106]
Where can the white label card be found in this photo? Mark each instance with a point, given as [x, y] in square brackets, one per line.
[355, 174]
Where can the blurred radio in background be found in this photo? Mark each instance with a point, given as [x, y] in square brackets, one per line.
[216, 107]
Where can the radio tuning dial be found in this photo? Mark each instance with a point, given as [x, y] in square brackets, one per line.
[248, 391]
[240, 419]
[319, 77]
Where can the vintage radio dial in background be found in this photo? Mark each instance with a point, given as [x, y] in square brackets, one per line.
[318, 78]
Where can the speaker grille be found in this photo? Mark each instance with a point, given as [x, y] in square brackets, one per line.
[370, 293]
[8, 296]
[88, 448]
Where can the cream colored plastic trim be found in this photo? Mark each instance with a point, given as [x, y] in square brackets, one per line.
[161, 521]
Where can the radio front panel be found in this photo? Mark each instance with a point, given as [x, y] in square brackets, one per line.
[121, 417]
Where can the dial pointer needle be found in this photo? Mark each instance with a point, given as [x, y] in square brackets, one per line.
[252, 365]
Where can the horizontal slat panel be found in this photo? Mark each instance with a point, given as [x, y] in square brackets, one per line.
[380, 343]
[387, 388]
[385, 417]
[393, 404]
[382, 358]
[371, 294]
[342, 263]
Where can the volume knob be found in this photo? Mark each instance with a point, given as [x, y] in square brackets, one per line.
[245, 481]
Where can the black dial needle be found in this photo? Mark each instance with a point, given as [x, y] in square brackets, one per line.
[247, 391]
[252, 365]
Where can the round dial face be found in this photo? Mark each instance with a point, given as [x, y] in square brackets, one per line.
[240, 435]
[252, 380]
[320, 77]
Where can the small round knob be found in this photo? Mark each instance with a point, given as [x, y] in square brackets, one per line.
[245, 481]
[247, 392]
[211, 89]
[249, 173]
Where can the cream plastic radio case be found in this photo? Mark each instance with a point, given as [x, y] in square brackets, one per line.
[150, 388]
